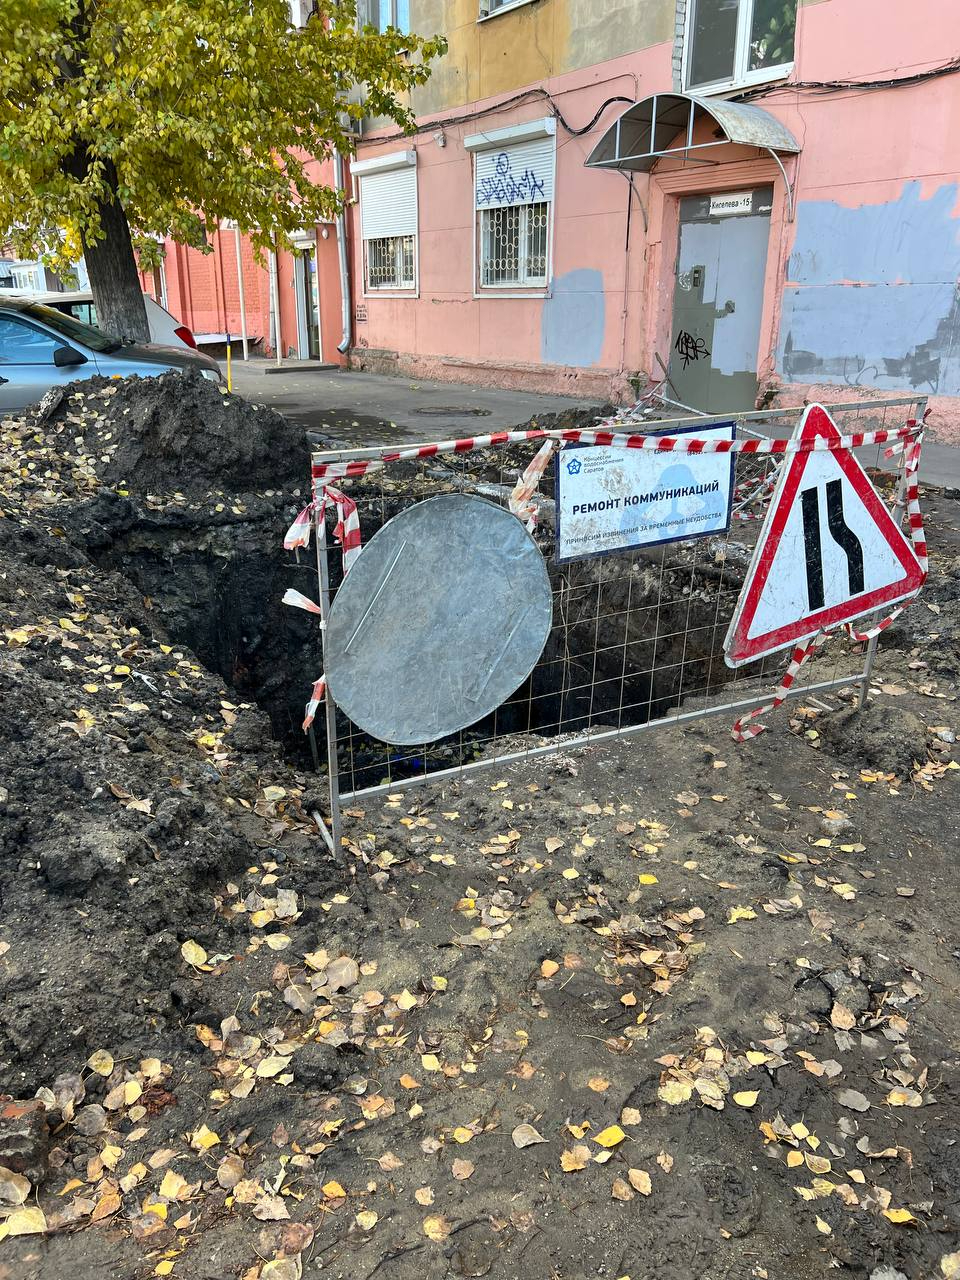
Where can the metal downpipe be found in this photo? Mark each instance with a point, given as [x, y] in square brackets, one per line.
[345, 296]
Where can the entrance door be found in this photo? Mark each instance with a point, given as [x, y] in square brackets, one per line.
[308, 302]
[718, 299]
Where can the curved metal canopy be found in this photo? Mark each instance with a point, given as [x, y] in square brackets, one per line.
[648, 130]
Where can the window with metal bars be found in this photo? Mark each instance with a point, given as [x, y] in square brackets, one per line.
[513, 245]
[391, 262]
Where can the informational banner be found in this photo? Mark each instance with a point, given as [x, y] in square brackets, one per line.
[614, 499]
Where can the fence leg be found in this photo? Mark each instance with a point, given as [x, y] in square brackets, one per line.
[899, 507]
[329, 707]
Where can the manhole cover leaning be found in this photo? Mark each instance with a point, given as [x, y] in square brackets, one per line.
[443, 615]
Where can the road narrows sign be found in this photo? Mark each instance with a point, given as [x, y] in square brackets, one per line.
[829, 551]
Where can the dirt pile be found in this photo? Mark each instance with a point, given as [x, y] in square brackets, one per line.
[671, 1008]
[175, 433]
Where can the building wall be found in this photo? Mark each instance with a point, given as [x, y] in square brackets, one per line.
[860, 289]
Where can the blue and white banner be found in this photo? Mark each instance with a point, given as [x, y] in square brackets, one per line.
[612, 499]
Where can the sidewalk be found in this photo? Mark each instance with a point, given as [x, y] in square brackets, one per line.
[370, 408]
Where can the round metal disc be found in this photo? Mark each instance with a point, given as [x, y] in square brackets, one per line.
[442, 616]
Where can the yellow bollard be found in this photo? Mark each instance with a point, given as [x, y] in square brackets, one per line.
[229, 369]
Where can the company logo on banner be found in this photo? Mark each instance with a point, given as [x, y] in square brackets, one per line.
[612, 499]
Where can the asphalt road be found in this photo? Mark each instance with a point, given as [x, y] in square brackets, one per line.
[368, 409]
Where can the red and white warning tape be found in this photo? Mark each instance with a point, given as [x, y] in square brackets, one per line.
[911, 447]
[299, 601]
[520, 501]
[325, 471]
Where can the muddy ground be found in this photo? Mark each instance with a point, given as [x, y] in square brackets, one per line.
[677, 1008]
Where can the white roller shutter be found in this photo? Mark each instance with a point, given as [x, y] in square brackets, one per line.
[521, 173]
[388, 203]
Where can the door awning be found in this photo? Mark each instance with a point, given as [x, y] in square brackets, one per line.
[663, 126]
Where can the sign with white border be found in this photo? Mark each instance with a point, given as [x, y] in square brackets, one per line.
[614, 499]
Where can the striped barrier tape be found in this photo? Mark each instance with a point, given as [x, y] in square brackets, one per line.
[743, 730]
[299, 601]
[316, 697]
[520, 500]
[324, 471]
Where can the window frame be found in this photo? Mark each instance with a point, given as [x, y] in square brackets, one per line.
[533, 287]
[486, 11]
[403, 289]
[397, 160]
[742, 76]
[500, 139]
[40, 332]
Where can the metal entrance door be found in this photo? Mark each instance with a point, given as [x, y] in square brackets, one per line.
[308, 310]
[718, 299]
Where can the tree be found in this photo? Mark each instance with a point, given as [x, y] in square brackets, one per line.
[123, 121]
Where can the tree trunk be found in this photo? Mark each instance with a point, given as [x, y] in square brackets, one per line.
[112, 268]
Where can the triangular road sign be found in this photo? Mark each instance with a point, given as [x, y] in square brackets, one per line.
[829, 551]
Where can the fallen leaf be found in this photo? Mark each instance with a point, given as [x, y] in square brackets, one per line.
[899, 1215]
[424, 1195]
[101, 1062]
[794, 1158]
[640, 1181]
[333, 1190]
[462, 1169]
[741, 913]
[842, 1018]
[366, 1219]
[525, 1135]
[406, 1001]
[193, 953]
[610, 1136]
[548, 968]
[573, 1161]
[173, 1186]
[824, 1227]
[388, 1162]
[853, 1099]
[621, 1190]
[271, 1209]
[14, 1187]
[674, 1092]
[25, 1222]
[436, 1227]
[746, 1097]
[950, 1266]
[598, 1084]
[462, 1134]
[203, 1139]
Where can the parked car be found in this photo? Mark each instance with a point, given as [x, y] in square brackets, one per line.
[79, 303]
[41, 348]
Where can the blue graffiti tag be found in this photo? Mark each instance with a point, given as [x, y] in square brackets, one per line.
[504, 187]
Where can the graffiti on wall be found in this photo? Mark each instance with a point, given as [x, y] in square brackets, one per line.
[504, 186]
[688, 347]
[872, 294]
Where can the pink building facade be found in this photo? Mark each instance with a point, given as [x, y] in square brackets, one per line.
[825, 264]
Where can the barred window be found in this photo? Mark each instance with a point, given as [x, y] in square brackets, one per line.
[390, 262]
[513, 245]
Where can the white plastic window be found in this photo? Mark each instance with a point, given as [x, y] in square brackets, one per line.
[738, 41]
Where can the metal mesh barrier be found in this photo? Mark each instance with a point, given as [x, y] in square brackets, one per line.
[637, 636]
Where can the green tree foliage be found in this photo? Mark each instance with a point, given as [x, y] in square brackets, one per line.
[169, 115]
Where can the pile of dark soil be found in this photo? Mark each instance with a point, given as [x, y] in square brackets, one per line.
[175, 433]
[669, 1008]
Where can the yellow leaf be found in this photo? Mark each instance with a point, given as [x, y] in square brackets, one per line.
[164, 1268]
[824, 1227]
[674, 1092]
[204, 1139]
[173, 1185]
[950, 1265]
[573, 1161]
[101, 1062]
[746, 1097]
[132, 1090]
[367, 1219]
[794, 1158]
[430, 1062]
[333, 1190]
[741, 913]
[156, 1207]
[436, 1227]
[570, 873]
[193, 953]
[548, 968]
[406, 1001]
[647, 878]
[598, 1084]
[610, 1136]
[462, 1134]
[899, 1215]
[25, 1222]
[755, 1058]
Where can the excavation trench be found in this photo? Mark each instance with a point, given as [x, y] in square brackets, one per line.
[634, 635]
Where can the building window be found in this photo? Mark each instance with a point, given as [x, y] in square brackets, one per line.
[390, 262]
[738, 41]
[388, 221]
[381, 14]
[513, 196]
[513, 245]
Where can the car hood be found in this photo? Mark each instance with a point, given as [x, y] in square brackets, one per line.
[158, 353]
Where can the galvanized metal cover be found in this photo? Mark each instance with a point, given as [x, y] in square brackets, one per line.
[443, 615]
